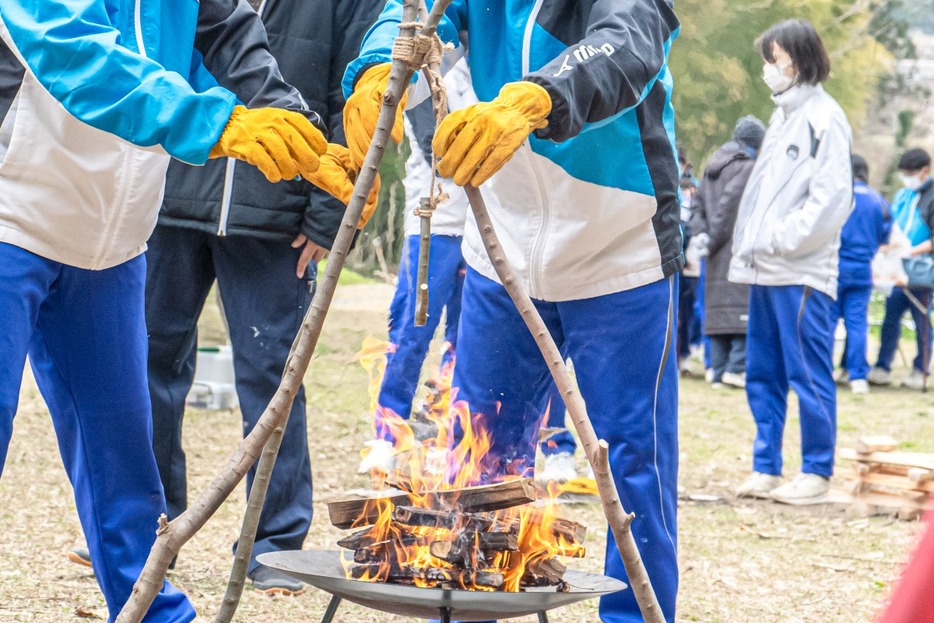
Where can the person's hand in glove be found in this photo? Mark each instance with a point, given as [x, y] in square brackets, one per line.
[475, 142]
[361, 112]
[337, 175]
[281, 143]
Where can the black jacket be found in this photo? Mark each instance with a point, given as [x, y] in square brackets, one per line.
[713, 212]
[312, 40]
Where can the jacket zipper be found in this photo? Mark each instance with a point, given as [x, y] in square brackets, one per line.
[226, 197]
[527, 37]
[118, 204]
[538, 246]
[138, 25]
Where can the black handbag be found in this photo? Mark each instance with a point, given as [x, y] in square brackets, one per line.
[920, 271]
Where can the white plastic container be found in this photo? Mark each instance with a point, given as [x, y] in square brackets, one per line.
[213, 387]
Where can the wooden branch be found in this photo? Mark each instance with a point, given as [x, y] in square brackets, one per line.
[364, 511]
[596, 450]
[421, 279]
[170, 537]
[254, 509]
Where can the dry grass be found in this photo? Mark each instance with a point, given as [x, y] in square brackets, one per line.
[740, 561]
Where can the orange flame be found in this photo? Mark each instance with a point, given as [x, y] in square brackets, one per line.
[431, 466]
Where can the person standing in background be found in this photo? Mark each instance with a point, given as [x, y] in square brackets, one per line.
[713, 219]
[913, 212]
[798, 197]
[867, 228]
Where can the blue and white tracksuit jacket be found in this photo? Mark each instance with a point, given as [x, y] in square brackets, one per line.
[110, 91]
[96, 96]
[587, 212]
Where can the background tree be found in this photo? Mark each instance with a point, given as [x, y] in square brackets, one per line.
[718, 73]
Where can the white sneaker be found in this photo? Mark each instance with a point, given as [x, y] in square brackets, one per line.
[708, 375]
[380, 458]
[879, 376]
[859, 386]
[803, 490]
[734, 379]
[915, 380]
[559, 467]
[841, 376]
[758, 485]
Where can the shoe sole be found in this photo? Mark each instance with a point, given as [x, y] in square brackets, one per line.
[275, 591]
[78, 560]
[759, 495]
[819, 499]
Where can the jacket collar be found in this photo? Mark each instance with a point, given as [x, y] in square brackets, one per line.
[792, 99]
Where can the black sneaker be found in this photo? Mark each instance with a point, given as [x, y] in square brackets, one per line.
[269, 581]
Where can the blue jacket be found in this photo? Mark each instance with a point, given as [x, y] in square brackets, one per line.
[867, 228]
[590, 205]
[913, 210]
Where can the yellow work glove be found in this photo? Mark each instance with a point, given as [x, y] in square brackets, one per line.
[475, 142]
[337, 175]
[281, 143]
[361, 112]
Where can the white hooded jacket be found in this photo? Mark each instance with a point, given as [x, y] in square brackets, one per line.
[798, 197]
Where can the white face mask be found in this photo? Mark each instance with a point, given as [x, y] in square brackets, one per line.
[775, 78]
[910, 182]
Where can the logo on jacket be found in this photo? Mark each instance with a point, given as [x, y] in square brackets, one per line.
[584, 53]
[792, 152]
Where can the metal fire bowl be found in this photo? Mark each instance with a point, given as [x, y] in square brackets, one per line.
[323, 570]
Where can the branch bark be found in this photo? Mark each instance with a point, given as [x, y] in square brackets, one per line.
[171, 536]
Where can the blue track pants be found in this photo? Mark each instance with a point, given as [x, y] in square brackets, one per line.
[790, 343]
[618, 344]
[410, 343]
[264, 304]
[895, 307]
[85, 335]
[852, 305]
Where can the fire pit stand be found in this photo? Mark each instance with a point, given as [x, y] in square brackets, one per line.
[323, 570]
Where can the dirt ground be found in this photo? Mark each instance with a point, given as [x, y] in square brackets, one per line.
[741, 560]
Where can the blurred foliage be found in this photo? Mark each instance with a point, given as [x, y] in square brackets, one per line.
[717, 71]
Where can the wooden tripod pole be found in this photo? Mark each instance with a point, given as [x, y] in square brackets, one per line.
[171, 536]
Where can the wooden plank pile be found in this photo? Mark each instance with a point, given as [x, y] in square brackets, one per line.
[467, 538]
[881, 480]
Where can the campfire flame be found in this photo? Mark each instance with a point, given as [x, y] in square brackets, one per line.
[428, 465]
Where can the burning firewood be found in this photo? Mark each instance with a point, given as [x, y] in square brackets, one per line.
[471, 547]
[364, 511]
[432, 575]
[544, 572]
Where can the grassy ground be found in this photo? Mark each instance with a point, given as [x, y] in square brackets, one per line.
[740, 560]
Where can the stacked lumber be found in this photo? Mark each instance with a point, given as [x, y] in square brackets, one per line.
[881, 480]
[468, 538]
